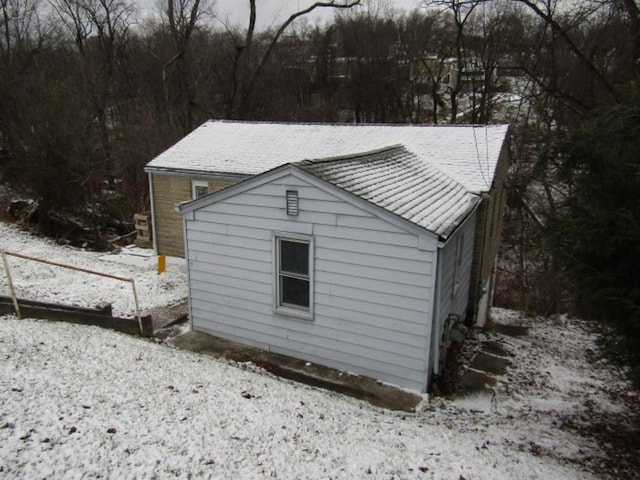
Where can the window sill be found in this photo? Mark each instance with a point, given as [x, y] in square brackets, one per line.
[294, 313]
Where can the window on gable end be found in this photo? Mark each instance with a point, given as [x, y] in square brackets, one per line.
[294, 276]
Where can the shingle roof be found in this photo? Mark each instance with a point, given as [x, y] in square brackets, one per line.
[469, 154]
[398, 181]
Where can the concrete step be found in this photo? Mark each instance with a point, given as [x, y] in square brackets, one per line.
[357, 386]
[489, 363]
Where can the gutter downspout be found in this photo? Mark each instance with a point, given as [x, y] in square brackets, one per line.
[434, 357]
[479, 284]
[154, 235]
[186, 217]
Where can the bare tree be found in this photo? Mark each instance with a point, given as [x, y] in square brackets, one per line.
[595, 14]
[632, 10]
[21, 30]
[375, 67]
[428, 43]
[182, 19]
[494, 39]
[461, 11]
[249, 67]
[99, 29]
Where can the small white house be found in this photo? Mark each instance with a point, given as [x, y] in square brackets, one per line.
[359, 262]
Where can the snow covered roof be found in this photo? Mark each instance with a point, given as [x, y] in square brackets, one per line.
[391, 178]
[395, 179]
[469, 154]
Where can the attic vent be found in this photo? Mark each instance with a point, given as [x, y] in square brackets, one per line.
[292, 202]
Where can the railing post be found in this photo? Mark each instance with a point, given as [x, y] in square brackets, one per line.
[135, 299]
[12, 290]
[72, 267]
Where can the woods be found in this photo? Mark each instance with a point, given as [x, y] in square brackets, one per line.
[91, 90]
[594, 233]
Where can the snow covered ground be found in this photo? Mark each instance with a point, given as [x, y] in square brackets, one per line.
[37, 281]
[83, 402]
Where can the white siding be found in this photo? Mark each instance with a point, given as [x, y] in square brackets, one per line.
[373, 286]
[453, 299]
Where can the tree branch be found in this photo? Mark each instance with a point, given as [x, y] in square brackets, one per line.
[633, 13]
[289, 21]
[557, 28]
[252, 24]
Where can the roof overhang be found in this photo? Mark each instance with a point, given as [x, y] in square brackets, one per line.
[291, 169]
[235, 177]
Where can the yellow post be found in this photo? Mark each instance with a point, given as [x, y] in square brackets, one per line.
[162, 264]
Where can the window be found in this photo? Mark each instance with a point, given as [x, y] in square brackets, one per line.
[294, 268]
[199, 188]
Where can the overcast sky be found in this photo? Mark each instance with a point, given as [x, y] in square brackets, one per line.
[270, 12]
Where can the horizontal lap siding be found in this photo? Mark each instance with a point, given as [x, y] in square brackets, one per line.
[372, 285]
[450, 301]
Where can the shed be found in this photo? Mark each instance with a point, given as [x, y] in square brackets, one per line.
[359, 262]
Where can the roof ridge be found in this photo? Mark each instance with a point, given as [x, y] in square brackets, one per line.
[399, 183]
[352, 156]
[370, 153]
[372, 124]
[447, 175]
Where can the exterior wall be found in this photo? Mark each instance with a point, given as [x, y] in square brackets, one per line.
[495, 212]
[479, 249]
[169, 190]
[455, 261]
[487, 238]
[373, 286]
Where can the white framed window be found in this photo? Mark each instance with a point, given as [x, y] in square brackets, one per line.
[199, 188]
[293, 282]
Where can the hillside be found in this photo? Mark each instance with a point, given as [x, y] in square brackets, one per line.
[82, 402]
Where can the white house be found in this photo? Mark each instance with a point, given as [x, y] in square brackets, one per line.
[361, 261]
[221, 152]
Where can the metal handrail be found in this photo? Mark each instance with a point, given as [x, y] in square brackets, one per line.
[12, 291]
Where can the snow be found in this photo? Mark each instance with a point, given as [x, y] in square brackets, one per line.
[85, 402]
[396, 180]
[172, 414]
[467, 153]
[37, 281]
